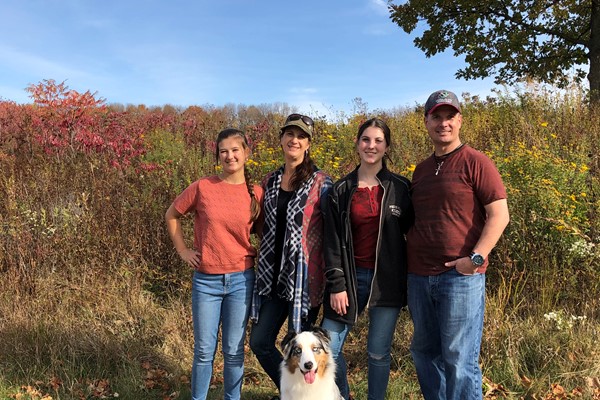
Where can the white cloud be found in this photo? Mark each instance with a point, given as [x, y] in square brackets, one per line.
[309, 101]
[377, 30]
[12, 94]
[381, 6]
[36, 65]
[103, 24]
[296, 91]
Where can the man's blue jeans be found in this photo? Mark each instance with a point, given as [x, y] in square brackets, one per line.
[220, 300]
[447, 312]
[382, 324]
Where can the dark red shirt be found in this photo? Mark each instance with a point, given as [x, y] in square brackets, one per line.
[450, 209]
[364, 217]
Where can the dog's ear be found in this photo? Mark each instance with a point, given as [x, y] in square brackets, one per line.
[287, 339]
[321, 333]
[323, 336]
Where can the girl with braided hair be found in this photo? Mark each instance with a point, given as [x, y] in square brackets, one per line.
[226, 206]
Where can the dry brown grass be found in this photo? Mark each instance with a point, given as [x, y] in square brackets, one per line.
[95, 302]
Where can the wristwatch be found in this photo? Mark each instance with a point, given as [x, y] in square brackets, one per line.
[477, 259]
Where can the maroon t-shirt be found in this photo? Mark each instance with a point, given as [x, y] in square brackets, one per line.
[449, 208]
[364, 218]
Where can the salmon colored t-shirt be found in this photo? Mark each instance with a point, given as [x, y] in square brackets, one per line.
[221, 224]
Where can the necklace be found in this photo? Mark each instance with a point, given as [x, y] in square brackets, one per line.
[439, 160]
[439, 165]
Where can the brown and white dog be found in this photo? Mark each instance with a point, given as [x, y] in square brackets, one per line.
[308, 368]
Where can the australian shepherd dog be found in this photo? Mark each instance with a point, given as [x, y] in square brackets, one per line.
[308, 368]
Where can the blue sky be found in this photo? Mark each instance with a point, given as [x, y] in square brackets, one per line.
[315, 55]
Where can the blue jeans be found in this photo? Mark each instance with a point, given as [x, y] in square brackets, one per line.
[382, 324]
[447, 312]
[222, 299]
[263, 336]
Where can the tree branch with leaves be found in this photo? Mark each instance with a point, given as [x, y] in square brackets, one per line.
[549, 41]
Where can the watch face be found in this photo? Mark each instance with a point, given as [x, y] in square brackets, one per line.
[477, 259]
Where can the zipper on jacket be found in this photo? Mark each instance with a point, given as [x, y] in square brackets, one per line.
[381, 209]
[351, 242]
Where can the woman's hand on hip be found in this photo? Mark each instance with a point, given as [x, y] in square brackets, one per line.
[191, 257]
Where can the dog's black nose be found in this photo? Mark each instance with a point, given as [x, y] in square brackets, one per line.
[308, 365]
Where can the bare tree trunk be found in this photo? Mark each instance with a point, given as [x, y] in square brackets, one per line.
[594, 49]
[594, 81]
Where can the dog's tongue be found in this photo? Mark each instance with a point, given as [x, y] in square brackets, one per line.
[309, 377]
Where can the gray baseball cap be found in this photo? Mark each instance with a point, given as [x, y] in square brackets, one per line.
[441, 98]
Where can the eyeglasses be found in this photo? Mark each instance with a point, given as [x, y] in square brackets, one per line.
[294, 117]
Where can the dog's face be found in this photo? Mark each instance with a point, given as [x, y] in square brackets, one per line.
[307, 352]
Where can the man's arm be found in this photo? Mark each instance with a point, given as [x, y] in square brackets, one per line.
[497, 219]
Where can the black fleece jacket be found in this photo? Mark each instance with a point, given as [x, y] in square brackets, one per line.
[389, 281]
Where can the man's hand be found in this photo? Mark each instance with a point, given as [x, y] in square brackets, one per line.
[463, 266]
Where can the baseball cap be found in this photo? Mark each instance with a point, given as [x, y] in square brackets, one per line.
[301, 121]
[441, 98]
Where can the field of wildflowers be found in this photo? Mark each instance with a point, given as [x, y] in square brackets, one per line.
[95, 302]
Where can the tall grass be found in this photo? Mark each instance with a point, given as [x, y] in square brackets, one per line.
[95, 301]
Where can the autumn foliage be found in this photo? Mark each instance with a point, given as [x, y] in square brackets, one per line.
[95, 303]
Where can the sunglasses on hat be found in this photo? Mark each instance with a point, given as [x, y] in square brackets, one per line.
[294, 117]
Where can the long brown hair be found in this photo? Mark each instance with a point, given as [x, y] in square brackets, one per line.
[304, 170]
[387, 134]
[227, 133]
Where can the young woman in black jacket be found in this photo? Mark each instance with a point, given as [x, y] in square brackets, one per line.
[365, 255]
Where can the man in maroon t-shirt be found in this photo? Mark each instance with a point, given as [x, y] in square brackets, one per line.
[460, 213]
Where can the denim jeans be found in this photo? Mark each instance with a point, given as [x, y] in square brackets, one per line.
[222, 299]
[382, 325]
[447, 312]
[263, 336]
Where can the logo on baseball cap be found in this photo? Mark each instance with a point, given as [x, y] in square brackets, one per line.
[441, 98]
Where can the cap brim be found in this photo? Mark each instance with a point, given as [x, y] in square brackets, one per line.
[300, 124]
[443, 104]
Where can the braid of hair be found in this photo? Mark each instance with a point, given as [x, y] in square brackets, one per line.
[229, 132]
[254, 206]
